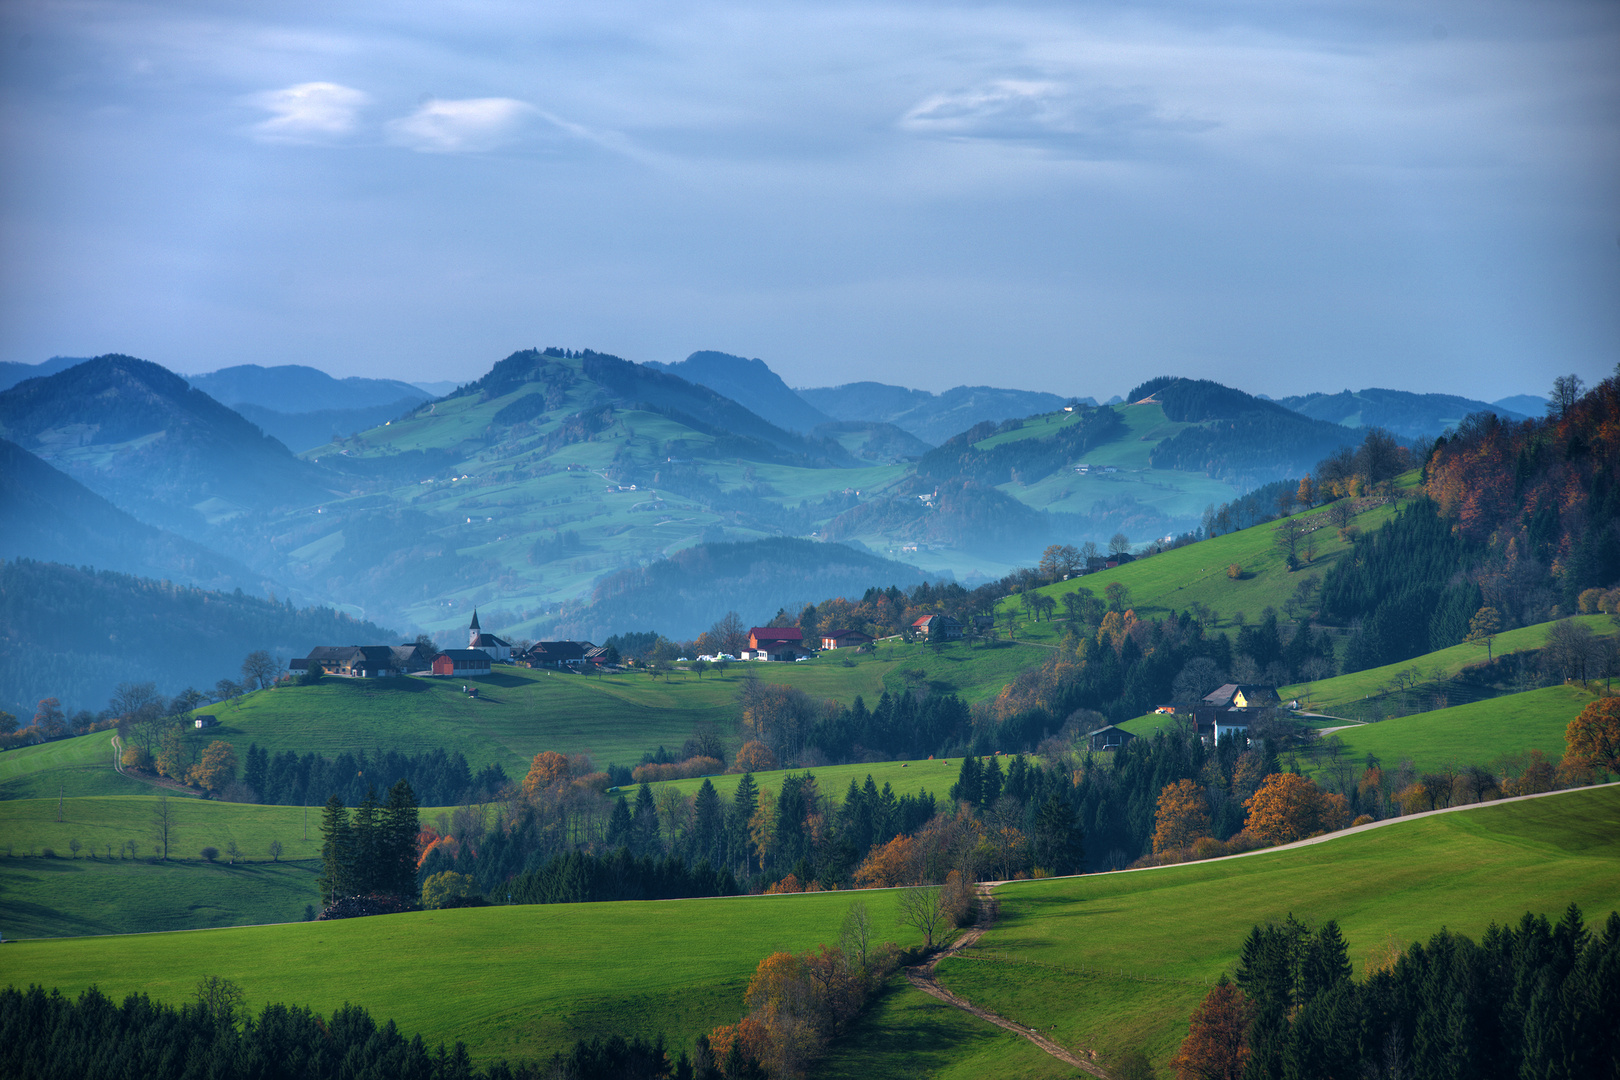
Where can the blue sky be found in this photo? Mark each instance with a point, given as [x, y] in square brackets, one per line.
[1070, 196]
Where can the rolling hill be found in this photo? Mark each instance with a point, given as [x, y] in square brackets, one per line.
[294, 388]
[1408, 415]
[752, 384]
[933, 418]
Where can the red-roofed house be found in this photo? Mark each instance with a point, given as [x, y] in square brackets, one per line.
[938, 628]
[774, 643]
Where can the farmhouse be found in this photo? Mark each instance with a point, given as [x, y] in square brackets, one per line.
[1109, 738]
[1243, 696]
[784, 643]
[462, 662]
[938, 628]
[206, 721]
[844, 639]
[562, 655]
[362, 661]
[489, 643]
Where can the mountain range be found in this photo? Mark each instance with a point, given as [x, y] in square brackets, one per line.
[524, 491]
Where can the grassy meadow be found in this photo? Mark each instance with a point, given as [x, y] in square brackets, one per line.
[1172, 580]
[1118, 961]
[514, 982]
[616, 718]
[905, 777]
[71, 767]
[1473, 734]
[1432, 667]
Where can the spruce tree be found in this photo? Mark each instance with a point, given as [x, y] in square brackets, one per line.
[645, 839]
[743, 804]
[337, 843]
[400, 823]
[368, 844]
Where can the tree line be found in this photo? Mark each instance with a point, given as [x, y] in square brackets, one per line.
[1532, 1000]
[437, 777]
[372, 851]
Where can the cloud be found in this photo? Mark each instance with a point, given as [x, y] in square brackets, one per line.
[308, 112]
[467, 125]
[1042, 110]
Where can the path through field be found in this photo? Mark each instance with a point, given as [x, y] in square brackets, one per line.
[922, 977]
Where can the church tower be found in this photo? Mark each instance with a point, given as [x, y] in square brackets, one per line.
[473, 631]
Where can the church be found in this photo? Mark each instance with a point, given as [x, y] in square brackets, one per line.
[489, 643]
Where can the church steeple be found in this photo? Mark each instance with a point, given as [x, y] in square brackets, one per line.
[473, 631]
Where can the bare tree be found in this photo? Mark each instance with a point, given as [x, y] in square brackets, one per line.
[856, 936]
[259, 670]
[1566, 391]
[221, 999]
[1570, 650]
[162, 825]
[925, 908]
[1119, 543]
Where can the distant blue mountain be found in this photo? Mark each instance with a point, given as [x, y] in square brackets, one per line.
[751, 384]
[1527, 404]
[12, 373]
[294, 388]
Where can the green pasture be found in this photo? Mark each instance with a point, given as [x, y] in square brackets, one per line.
[513, 982]
[71, 767]
[1431, 667]
[904, 777]
[907, 1033]
[1117, 961]
[1172, 580]
[30, 825]
[1473, 734]
[616, 718]
[64, 897]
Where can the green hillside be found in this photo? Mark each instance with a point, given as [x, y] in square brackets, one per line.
[903, 777]
[614, 717]
[71, 767]
[515, 982]
[102, 891]
[1473, 734]
[1118, 961]
[1198, 573]
[1434, 667]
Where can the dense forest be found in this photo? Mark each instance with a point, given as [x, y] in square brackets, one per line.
[1535, 1000]
[75, 633]
[437, 778]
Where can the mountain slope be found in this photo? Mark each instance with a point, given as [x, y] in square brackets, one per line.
[302, 431]
[931, 417]
[293, 388]
[46, 514]
[750, 383]
[12, 373]
[137, 434]
[685, 594]
[1407, 415]
[76, 633]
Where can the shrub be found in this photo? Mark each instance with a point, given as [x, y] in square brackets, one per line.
[49, 853]
[447, 889]
[210, 853]
[1234, 571]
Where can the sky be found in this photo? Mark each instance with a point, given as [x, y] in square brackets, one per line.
[1285, 197]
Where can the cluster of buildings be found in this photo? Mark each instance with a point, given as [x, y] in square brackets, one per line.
[483, 650]
[1224, 713]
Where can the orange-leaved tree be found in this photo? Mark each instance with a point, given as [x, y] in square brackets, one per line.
[1217, 1042]
[1593, 738]
[754, 756]
[1289, 807]
[547, 768]
[1183, 816]
[217, 767]
[889, 866]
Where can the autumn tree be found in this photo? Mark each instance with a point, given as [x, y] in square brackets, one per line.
[1289, 807]
[1183, 816]
[50, 719]
[754, 756]
[445, 889]
[893, 864]
[1217, 1042]
[547, 768]
[217, 768]
[1592, 739]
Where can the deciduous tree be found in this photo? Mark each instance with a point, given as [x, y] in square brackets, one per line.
[1183, 816]
[1592, 739]
[217, 768]
[925, 909]
[1289, 807]
[1217, 1042]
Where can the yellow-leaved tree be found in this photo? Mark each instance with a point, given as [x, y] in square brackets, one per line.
[1183, 816]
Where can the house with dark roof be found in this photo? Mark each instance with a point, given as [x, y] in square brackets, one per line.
[938, 628]
[1243, 696]
[1108, 738]
[783, 643]
[845, 639]
[562, 655]
[357, 661]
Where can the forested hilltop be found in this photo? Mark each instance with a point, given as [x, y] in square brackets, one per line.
[74, 633]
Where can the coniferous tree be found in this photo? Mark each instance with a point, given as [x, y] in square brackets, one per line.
[337, 852]
[400, 823]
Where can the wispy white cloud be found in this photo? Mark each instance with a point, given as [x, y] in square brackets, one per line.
[1044, 110]
[309, 112]
[464, 126]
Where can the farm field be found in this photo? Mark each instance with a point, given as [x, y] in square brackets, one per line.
[1434, 666]
[100, 893]
[1070, 956]
[905, 777]
[1473, 734]
[1172, 580]
[512, 982]
[616, 718]
[71, 767]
